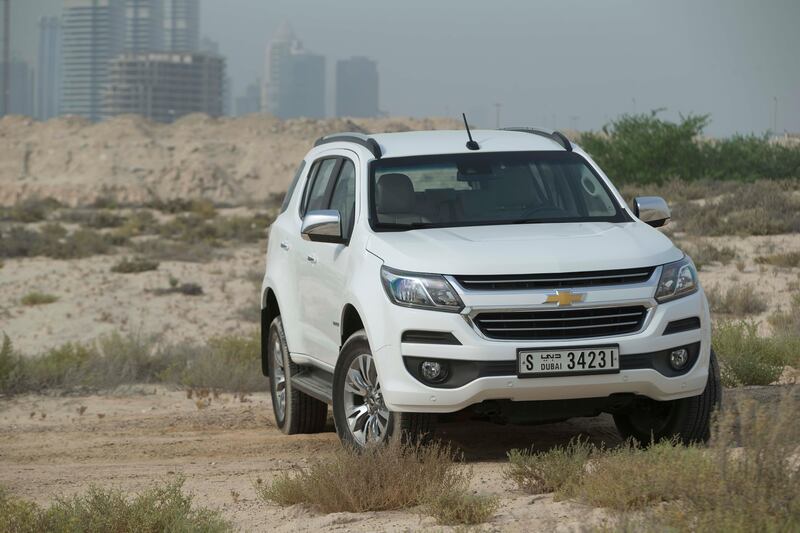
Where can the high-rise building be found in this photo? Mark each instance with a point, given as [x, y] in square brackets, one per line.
[48, 69]
[181, 25]
[144, 26]
[250, 101]
[164, 86]
[357, 88]
[93, 34]
[294, 84]
[20, 97]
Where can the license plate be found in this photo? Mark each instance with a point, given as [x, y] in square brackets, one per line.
[567, 361]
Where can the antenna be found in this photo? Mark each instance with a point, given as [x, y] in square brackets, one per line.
[472, 145]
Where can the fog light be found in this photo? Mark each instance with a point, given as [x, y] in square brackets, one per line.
[678, 358]
[432, 371]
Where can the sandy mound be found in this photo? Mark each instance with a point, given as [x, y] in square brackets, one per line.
[133, 160]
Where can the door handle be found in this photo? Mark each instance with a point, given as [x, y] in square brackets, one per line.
[284, 245]
[311, 259]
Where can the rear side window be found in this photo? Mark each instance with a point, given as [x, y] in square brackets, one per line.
[292, 186]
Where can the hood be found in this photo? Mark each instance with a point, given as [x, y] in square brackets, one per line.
[524, 248]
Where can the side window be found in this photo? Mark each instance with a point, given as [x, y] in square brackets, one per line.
[293, 186]
[316, 189]
[344, 197]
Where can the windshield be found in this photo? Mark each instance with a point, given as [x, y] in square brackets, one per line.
[488, 188]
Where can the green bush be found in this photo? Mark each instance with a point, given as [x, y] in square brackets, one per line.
[745, 358]
[157, 509]
[644, 148]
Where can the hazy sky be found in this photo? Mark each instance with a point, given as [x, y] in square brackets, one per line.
[564, 63]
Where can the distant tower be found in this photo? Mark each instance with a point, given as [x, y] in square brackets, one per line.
[294, 81]
[164, 86]
[144, 26]
[93, 34]
[48, 69]
[182, 25]
[357, 88]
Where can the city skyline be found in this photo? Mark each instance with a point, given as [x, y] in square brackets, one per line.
[550, 64]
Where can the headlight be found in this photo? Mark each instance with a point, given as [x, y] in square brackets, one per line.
[677, 279]
[426, 291]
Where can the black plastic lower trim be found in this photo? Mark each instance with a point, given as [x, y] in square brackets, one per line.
[419, 336]
[684, 324]
[461, 372]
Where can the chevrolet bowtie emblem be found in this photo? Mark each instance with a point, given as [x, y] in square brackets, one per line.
[562, 298]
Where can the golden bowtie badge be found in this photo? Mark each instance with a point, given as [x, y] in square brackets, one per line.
[562, 298]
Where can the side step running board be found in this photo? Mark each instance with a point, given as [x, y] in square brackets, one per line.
[315, 382]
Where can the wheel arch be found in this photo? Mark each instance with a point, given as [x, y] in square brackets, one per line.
[269, 310]
[349, 323]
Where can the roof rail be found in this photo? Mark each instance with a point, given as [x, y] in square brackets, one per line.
[352, 137]
[556, 136]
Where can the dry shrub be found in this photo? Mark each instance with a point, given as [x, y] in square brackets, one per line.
[763, 207]
[157, 509]
[553, 470]
[231, 363]
[53, 240]
[167, 250]
[134, 266]
[737, 300]
[747, 480]
[745, 357]
[703, 253]
[30, 210]
[38, 298]
[381, 478]
[787, 260]
[460, 507]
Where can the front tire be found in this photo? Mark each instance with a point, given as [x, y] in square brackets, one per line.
[295, 412]
[361, 416]
[688, 420]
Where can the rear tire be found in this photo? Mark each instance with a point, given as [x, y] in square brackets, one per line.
[687, 420]
[362, 419]
[295, 412]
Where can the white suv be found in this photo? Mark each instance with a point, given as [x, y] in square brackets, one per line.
[416, 273]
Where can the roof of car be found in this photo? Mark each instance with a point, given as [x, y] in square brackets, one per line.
[411, 143]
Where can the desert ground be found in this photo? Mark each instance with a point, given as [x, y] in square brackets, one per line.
[58, 445]
[60, 442]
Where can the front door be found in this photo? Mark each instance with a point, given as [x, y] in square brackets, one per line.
[324, 266]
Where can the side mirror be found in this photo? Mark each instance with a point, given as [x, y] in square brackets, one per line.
[652, 210]
[324, 225]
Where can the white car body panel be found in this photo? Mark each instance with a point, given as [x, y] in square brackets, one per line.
[312, 296]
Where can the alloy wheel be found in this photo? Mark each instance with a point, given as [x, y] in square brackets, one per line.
[279, 379]
[364, 409]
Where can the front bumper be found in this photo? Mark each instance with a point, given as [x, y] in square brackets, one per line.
[403, 392]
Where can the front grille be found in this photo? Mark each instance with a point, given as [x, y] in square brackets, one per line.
[555, 281]
[576, 323]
